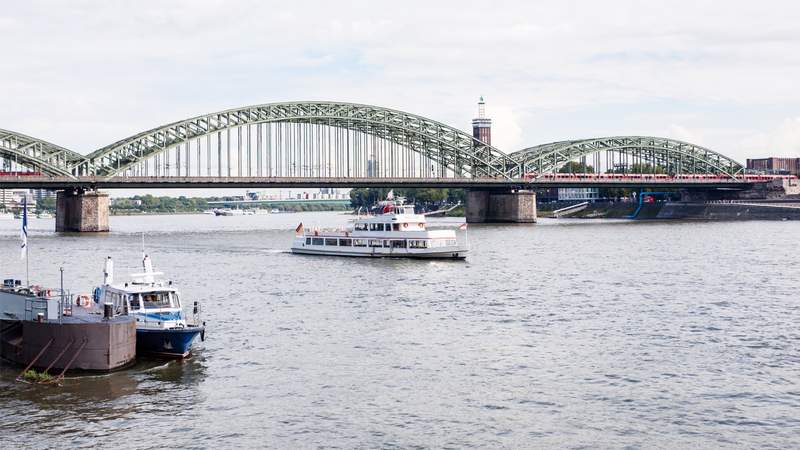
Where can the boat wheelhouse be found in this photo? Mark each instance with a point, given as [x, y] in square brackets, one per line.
[161, 326]
[397, 231]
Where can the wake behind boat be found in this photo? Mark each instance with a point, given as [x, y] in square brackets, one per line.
[397, 232]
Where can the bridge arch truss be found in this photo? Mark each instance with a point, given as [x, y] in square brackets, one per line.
[18, 151]
[302, 139]
[623, 153]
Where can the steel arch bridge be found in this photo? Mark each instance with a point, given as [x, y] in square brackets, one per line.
[312, 139]
[623, 152]
[327, 140]
[20, 150]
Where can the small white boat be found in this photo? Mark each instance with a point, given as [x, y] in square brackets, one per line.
[229, 212]
[396, 232]
[161, 325]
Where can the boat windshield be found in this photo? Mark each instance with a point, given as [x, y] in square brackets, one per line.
[155, 300]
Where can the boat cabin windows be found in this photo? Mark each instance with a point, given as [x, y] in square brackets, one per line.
[360, 227]
[316, 241]
[395, 227]
[359, 242]
[417, 243]
[330, 241]
[375, 243]
[116, 298]
[308, 241]
[345, 243]
[398, 244]
[155, 300]
[377, 227]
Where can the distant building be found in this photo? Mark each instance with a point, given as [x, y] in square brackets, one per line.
[11, 200]
[482, 126]
[372, 167]
[773, 165]
[40, 194]
[580, 194]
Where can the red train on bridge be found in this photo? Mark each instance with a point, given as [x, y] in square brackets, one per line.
[651, 176]
[20, 174]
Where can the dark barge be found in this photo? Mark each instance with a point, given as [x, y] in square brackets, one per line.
[47, 329]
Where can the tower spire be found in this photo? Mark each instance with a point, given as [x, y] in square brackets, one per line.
[482, 126]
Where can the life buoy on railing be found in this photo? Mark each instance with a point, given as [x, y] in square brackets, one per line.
[48, 293]
[405, 225]
[420, 225]
[84, 301]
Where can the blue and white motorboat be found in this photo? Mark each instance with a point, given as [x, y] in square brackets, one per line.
[161, 326]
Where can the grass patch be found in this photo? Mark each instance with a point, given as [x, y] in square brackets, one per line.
[37, 377]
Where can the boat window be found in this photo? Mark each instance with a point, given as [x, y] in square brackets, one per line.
[396, 227]
[361, 227]
[155, 300]
[418, 244]
[451, 242]
[176, 302]
[376, 227]
[329, 241]
[316, 241]
[308, 241]
[134, 301]
[344, 243]
[359, 243]
[398, 244]
[375, 243]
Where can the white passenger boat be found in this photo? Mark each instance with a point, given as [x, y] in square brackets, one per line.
[397, 231]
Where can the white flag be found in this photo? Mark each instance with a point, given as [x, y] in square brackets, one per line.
[24, 232]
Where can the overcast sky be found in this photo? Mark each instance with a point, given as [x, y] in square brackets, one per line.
[723, 74]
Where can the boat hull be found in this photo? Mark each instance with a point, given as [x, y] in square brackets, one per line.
[84, 344]
[439, 254]
[173, 343]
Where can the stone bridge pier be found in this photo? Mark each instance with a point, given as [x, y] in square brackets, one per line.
[485, 206]
[81, 211]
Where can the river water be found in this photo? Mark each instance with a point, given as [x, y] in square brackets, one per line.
[568, 334]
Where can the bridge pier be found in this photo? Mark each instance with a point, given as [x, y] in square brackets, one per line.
[492, 206]
[81, 211]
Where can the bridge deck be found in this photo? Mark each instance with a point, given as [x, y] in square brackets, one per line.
[56, 183]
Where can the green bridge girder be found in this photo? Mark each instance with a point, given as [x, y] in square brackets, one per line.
[674, 156]
[458, 152]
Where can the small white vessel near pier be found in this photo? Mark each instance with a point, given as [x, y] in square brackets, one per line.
[396, 232]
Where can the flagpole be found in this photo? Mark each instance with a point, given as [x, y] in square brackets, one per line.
[25, 242]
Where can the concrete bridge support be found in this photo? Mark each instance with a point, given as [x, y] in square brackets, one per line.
[493, 206]
[82, 211]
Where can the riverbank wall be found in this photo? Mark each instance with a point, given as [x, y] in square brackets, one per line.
[728, 211]
[741, 210]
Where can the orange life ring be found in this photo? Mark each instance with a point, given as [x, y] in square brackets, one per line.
[84, 301]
